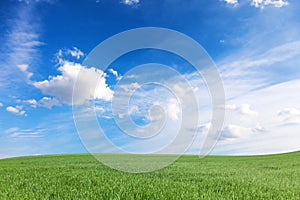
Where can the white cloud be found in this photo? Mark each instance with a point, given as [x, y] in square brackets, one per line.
[234, 2]
[115, 73]
[173, 109]
[75, 52]
[69, 54]
[48, 102]
[91, 84]
[16, 110]
[263, 3]
[130, 2]
[1, 104]
[233, 131]
[32, 102]
[129, 88]
[12, 109]
[230, 107]
[246, 110]
[23, 67]
[290, 115]
[99, 109]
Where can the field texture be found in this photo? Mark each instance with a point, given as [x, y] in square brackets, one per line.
[214, 177]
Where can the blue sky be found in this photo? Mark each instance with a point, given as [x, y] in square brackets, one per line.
[254, 43]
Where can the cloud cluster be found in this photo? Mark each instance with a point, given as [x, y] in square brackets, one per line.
[47, 102]
[91, 82]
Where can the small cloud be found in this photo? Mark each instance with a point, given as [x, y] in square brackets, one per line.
[75, 52]
[1, 104]
[290, 115]
[99, 109]
[232, 131]
[263, 3]
[48, 102]
[62, 54]
[33, 103]
[129, 88]
[233, 2]
[259, 129]
[130, 2]
[15, 110]
[23, 68]
[245, 109]
[230, 107]
[173, 109]
[115, 73]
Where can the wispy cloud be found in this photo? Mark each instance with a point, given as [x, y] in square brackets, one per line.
[23, 38]
[16, 132]
[239, 67]
[20, 49]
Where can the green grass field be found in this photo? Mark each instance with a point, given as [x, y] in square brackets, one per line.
[214, 177]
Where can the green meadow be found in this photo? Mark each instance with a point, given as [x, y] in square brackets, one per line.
[213, 177]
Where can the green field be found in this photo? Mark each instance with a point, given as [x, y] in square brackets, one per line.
[214, 177]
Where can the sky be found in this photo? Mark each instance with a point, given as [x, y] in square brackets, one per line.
[45, 45]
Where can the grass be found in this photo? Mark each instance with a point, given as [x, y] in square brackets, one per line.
[214, 177]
